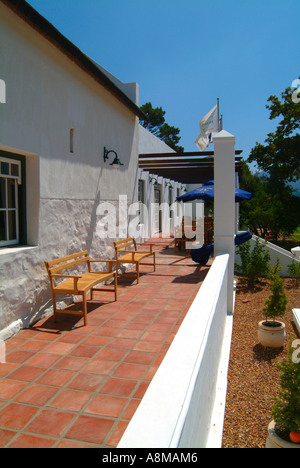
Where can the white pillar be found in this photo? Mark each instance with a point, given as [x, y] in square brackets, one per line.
[224, 203]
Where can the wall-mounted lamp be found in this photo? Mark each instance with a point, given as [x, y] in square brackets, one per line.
[168, 184]
[153, 178]
[116, 162]
[183, 188]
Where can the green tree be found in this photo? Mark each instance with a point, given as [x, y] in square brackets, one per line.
[274, 208]
[157, 125]
[279, 157]
[155, 118]
[254, 213]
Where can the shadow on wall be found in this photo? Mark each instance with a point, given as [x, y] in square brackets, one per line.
[93, 223]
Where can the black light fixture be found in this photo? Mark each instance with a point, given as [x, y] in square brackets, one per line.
[168, 184]
[153, 178]
[116, 162]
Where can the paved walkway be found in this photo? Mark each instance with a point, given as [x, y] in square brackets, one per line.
[69, 385]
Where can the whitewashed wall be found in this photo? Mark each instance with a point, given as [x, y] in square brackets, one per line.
[149, 143]
[150, 228]
[46, 95]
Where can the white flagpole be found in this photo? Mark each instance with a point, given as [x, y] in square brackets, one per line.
[218, 122]
[220, 119]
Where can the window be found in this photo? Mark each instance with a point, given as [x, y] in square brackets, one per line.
[12, 200]
[141, 199]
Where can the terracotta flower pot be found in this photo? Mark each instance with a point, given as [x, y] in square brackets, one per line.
[271, 336]
[274, 441]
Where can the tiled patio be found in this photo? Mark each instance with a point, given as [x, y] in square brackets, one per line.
[69, 385]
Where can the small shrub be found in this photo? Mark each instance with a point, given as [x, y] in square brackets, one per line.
[286, 407]
[294, 271]
[255, 263]
[277, 301]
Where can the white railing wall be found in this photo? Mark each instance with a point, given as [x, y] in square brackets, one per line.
[177, 409]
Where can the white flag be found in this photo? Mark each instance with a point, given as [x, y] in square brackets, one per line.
[208, 124]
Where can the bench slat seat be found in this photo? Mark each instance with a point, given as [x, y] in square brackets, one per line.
[78, 284]
[133, 257]
[85, 282]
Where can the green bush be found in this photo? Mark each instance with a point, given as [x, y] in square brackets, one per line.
[286, 407]
[277, 301]
[294, 271]
[254, 263]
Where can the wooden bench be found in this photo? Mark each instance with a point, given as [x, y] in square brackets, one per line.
[77, 284]
[132, 256]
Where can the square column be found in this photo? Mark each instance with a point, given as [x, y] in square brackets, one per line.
[224, 203]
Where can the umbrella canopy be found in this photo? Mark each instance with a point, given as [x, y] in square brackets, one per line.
[206, 192]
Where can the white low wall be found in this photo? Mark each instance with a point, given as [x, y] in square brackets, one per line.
[177, 409]
[296, 318]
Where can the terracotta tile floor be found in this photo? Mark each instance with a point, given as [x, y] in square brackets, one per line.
[68, 385]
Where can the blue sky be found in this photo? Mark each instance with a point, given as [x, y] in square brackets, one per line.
[184, 54]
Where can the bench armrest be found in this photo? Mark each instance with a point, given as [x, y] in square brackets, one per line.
[66, 276]
[126, 251]
[106, 261]
[145, 243]
[75, 277]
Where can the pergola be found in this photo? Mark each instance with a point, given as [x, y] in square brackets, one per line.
[186, 168]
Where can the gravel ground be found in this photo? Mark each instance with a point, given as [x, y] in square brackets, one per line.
[253, 377]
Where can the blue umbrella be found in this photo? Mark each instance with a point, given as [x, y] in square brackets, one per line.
[206, 192]
[201, 254]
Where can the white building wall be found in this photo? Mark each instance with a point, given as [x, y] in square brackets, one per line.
[46, 95]
[149, 143]
[171, 213]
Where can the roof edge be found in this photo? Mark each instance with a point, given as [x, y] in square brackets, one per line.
[47, 30]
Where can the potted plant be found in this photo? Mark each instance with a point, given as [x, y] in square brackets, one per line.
[284, 429]
[271, 331]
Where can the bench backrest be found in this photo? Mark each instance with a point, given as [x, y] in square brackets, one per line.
[124, 243]
[69, 261]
